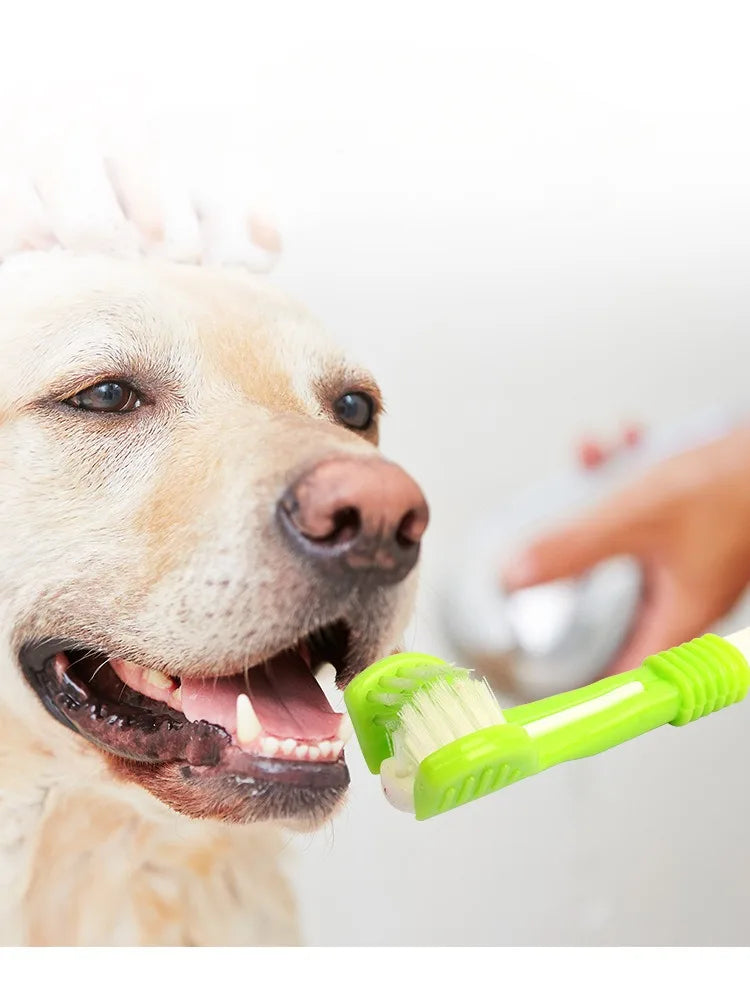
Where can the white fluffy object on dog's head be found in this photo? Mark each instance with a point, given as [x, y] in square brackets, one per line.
[129, 204]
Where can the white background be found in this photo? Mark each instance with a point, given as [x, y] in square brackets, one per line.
[531, 220]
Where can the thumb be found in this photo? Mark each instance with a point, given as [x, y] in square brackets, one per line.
[617, 527]
[567, 552]
[623, 524]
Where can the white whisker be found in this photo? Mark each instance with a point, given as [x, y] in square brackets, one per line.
[104, 663]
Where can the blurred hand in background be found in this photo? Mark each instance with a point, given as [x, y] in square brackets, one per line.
[687, 521]
[130, 199]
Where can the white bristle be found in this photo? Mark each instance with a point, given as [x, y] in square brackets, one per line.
[741, 640]
[440, 713]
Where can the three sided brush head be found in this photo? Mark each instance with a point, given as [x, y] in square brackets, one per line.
[436, 735]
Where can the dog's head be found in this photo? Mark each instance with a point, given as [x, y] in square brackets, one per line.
[193, 517]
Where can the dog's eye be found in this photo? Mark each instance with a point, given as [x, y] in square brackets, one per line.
[356, 410]
[106, 397]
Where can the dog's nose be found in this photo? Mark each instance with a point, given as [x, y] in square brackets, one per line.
[357, 515]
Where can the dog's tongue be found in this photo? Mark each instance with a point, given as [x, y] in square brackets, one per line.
[286, 697]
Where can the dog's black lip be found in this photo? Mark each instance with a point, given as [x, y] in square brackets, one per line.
[222, 757]
[33, 658]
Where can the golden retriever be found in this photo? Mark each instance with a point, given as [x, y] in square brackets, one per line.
[194, 516]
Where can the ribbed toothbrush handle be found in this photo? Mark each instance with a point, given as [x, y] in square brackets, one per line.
[708, 673]
[677, 686]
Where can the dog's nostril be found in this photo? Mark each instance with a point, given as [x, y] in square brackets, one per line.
[411, 528]
[405, 531]
[347, 524]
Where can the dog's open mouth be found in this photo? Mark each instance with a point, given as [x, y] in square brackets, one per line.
[268, 723]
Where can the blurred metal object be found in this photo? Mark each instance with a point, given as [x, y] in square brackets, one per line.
[561, 635]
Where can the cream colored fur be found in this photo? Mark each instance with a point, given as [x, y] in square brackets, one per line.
[122, 535]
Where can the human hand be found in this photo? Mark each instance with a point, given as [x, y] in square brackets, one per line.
[687, 521]
[79, 199]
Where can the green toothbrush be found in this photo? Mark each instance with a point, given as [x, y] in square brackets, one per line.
[439, 739]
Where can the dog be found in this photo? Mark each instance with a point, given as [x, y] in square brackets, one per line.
[194, 517]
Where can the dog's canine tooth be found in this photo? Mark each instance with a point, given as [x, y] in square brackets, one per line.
[345, 730]
[269, 745]
[326, 676]
[289, 745]
[157, 679]
[176, 696]
[248, 724]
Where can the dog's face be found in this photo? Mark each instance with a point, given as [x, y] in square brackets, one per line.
[193, 517]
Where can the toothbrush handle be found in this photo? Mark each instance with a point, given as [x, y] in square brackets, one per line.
[654, 705]
[677, 686]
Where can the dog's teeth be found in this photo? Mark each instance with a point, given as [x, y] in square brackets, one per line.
[288, 745]
[346, 729]
[269, 745]
[177, 696]
[301, 751]
[326, 678]
[326, 675]
[336, 747]
[156, 679]
[248, 725]
[61, 663]
[313, 753]
[325, 748]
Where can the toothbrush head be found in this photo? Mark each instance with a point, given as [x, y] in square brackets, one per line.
[436, 734]
[375, 697]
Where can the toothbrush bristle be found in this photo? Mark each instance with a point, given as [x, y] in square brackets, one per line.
[440, 713]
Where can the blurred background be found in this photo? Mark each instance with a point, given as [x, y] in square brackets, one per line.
[532, 221]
